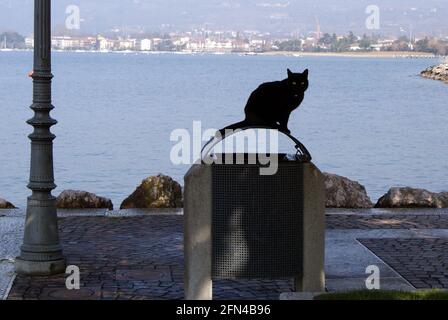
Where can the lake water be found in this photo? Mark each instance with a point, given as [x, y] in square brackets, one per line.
[372, 120]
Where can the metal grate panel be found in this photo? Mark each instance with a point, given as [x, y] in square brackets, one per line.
[257, 222]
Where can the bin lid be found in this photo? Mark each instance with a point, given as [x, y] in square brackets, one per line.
[253, 158]
[302, 154]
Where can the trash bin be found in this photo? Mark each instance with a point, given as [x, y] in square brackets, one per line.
[257, 221]
[240, 224]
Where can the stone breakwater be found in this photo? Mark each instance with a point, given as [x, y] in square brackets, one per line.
[342, 192]
[413, 198]
[438, 72]
[4, 204]
[163, 192]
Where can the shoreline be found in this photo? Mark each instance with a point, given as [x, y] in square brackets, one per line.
[21, 212]
[380, 54]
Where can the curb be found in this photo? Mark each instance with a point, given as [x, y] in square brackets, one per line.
[9, 287]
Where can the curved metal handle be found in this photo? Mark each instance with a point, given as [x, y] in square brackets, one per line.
[300, 148]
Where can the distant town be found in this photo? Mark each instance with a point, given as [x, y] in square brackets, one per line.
[203, 41]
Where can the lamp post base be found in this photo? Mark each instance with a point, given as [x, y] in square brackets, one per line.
[39, 268]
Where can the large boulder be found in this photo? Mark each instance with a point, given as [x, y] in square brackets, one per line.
[412, 198]
[155, 192]
[6, 204]
[342, 192]
[73, 199]
[438, 72]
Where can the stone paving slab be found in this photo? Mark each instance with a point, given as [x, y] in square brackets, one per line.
[423, 262]
[346, 261]
[11, 233]
[390, 221]
[387, 211]
[347, 257]
[140, 256]
[131, 258]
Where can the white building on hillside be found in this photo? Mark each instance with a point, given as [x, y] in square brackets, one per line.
[146, 45]
[127, 44]
[29, 42]
[105, 44]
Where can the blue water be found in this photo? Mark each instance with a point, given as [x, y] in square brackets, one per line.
[373, 120]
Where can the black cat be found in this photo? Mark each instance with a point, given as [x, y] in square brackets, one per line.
[272, 103]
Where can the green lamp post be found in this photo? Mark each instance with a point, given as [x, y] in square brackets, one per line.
[41, 252]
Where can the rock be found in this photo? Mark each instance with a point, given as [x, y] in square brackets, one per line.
[73, 199]
[413, 198]
[439, 72]
[344, 193]
[6, 205]
[155, 192]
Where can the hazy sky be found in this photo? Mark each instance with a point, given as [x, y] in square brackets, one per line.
[340, 16]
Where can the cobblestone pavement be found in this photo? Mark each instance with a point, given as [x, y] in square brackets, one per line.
[422, 262]
[142, 258]
[130, 258]
[11, 233]
[390, 221]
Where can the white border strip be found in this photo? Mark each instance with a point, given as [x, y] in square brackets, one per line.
[386, 264]
[8, 289]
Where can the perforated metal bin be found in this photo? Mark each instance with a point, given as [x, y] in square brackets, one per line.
[257, 221]
[243, 225]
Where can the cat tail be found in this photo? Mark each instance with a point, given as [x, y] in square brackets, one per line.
[234, 127]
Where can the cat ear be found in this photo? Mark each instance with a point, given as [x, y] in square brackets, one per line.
[290, 73]
[305, 73]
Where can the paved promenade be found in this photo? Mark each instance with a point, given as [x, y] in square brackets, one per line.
[127, 255]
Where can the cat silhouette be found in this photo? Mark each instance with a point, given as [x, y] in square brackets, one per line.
[272, 103]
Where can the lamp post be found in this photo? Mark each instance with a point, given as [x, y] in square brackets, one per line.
[41, 252]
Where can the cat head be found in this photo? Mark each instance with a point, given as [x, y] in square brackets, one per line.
[298, 81]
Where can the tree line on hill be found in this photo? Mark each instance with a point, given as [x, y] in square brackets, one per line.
[351, 42]
[11, 40]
